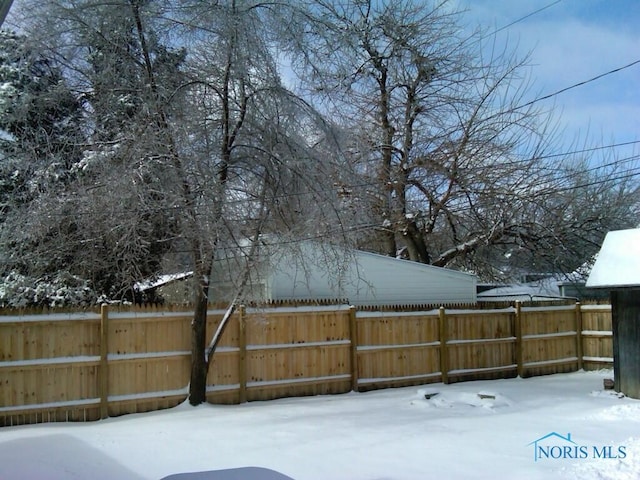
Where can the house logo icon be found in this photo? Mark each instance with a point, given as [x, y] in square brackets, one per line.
[554, 445]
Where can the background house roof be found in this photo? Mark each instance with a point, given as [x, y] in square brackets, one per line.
[363, 278]
[618, 263]
[541, 290]
[160, 280]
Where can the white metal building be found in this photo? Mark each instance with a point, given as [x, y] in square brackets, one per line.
[316, 271]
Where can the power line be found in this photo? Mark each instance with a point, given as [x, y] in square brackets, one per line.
[540, 180]
[554, 169]
[546, 97]
[528, 159]
[520, 19]
[579, 84]
[590, 149]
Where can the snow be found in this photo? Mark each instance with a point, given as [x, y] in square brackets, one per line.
[550, 335]
[148, 395]
[485, 369]
[618, 263]
[436, 312]
[597, 333]
[482, 340]
[364, 381]
[41, 406]
[602, 308]
[279, 346]
[365, 348]
[383, 314]
[51, 317]
[4, 135]
[289, 381]
[549, 308]
[152, 314]
[598, 359]
[51, 361]
[139, 356]
[551, 362]
[545, 289]
[465, 431]
[161, 280]
[303, 309]
[223, 388]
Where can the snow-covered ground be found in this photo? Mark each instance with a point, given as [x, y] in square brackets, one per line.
[467, 430]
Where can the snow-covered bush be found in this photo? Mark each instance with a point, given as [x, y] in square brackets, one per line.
[62, 289]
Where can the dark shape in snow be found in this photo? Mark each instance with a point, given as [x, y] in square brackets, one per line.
[484, 396]
[244, 473]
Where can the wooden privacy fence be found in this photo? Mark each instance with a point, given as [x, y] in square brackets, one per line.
[86, 366]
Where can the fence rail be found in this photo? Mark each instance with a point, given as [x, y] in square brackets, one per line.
[79, 367]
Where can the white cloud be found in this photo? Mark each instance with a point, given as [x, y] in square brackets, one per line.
[571, 42]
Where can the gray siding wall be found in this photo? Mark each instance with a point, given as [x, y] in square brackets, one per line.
[368, 279]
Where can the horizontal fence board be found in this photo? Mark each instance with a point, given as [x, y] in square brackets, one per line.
[299, 381]
[302, 345]
[39, 363]
[382, 348]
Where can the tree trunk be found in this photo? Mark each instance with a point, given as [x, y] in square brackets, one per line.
[198, 384]
[416, 245]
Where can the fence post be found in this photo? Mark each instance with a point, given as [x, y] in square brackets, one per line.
[444, 353]
[104, 361]
[517, 327]
[242, 355]
[579, 335]
[353, 334]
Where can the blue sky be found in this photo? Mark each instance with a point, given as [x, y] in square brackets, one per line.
[572, 41]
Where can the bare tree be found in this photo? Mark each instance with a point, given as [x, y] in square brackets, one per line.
[450, 153]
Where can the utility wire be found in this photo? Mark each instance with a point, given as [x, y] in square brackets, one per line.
[590, 149]
[579, 84]
[541, 180]
[529, 159]
[546, 97]
[520, 19]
